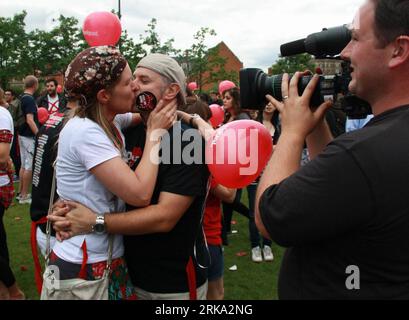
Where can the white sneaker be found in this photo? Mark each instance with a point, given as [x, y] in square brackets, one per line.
[26, 200]
[268, 254]
[256, 254]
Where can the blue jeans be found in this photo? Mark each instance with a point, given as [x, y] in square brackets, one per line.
[253, 231]
[228, 209]
[215, 270]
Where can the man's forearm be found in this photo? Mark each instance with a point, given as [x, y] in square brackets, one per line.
[319, 139]
[32, 126]
[137, 222]
[284, 162]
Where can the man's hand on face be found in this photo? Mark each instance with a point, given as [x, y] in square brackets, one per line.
[297, 117]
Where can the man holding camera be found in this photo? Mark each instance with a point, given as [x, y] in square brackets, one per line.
[344, 217]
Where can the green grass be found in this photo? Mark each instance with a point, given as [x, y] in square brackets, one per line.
[18, 239]
[251, 281]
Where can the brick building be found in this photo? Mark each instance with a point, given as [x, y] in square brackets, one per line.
[233, 64]
[329, 66]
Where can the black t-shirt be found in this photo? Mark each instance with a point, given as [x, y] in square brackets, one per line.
[28, 105]
[157, 262]
[242, 116]
[45, 153]
[348, 207]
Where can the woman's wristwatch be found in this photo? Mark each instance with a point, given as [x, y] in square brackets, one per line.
[99, 226]
[193, 117]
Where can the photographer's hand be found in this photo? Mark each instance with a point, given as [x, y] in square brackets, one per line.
[297, 117]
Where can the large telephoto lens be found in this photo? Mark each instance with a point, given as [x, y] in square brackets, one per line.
[255, 85]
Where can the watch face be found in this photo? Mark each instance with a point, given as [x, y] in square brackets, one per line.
[99, 228]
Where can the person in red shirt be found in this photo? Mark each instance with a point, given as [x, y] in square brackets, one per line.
[212, 221]
[212, 225]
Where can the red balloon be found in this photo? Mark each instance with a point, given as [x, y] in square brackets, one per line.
[59, 88]
[102, 29]
[217, 115]
[192, 86]
[238, 152]
[226, 85]
[42, 115]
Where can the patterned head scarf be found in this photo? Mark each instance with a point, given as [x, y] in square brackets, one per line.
[92, 70]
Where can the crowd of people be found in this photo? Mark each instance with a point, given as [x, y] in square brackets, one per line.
[97, 143]
[113, 196]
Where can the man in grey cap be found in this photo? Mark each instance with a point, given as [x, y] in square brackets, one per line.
[161, 244]
[168, 69]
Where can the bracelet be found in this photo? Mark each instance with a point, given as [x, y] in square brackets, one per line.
[194, 116]
[191, 122]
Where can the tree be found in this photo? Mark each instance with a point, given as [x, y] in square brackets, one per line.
[42, 52]
[51, 52]
[153, 43]
[132, 51]
[39, 56]
[202, 64]
[13, 45]
[293, 64]
[70, 41]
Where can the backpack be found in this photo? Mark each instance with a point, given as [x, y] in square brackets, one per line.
[19, 118]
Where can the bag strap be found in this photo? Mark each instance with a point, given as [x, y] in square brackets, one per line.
[48, 230]
[110, 250]
[203, 210]
[50, 210]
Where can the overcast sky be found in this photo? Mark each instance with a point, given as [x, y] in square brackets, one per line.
[253, 29]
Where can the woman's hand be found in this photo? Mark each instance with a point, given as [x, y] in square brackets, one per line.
[205, 129]
[183, 116]
[162, 117]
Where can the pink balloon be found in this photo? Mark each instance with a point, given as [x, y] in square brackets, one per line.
[238, 152]
[42, 115]
[59, 88]
[226, 85]
[192, 86]
[102, 29]
[217, 115]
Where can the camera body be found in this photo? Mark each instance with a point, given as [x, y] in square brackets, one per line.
[255, 84]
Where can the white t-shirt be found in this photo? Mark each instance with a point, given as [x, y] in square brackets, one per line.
[82, 146]
[53, 103]
[6, 123]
